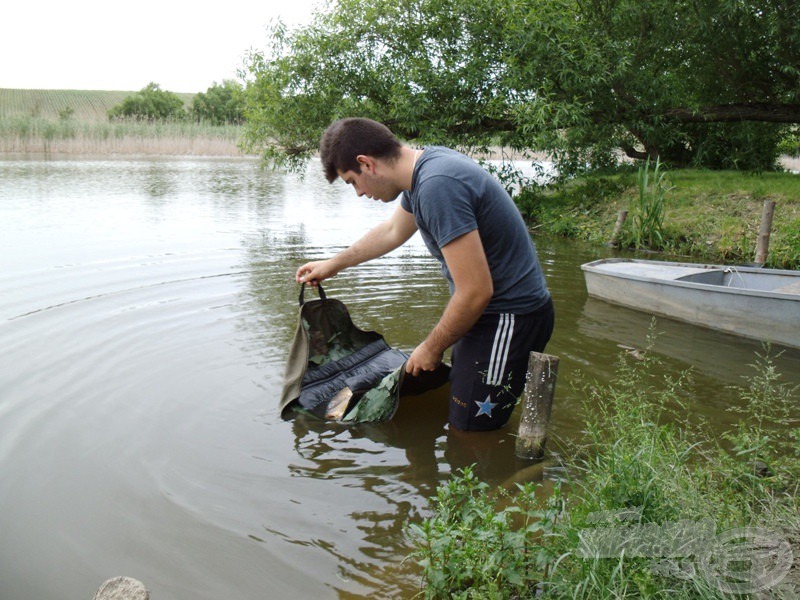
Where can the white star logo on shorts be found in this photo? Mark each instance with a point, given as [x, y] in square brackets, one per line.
[485, 407]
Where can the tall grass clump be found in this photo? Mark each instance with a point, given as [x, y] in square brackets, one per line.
[647, 210]
[655, 505]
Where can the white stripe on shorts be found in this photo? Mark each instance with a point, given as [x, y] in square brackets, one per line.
[502, 343]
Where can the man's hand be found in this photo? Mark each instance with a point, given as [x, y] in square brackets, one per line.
[423, 359]
[315, 272]
[379, 240]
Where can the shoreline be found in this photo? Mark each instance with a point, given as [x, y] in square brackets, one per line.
[199, 146]
[123, 146]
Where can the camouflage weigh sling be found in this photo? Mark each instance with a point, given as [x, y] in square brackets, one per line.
[338, 372]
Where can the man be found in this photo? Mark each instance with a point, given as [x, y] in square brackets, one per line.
[500, 308]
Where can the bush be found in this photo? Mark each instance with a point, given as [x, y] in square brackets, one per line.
[220, 104]
[568, 209]
[469, 549]
[744, 146]
[790, 144]
[151, 103]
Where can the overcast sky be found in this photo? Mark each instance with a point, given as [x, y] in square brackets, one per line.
[91, 45]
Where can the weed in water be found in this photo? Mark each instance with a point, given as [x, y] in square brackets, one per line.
[655, 506]
[472, 549]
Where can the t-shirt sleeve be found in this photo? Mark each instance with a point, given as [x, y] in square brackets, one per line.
[447, 208]
[405, 202]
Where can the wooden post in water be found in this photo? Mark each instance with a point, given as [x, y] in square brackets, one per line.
[122, 588]
[762, 245]
[537, 401]
[621, 216]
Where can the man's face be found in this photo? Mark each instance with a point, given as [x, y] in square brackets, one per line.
[371, 182]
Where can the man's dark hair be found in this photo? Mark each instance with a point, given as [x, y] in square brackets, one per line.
[345, 139]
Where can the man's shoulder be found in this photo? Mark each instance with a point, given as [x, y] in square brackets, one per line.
[441, 166]
[441, 153]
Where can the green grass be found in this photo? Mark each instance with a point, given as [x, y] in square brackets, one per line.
[710, 215]
[650, 480]
[82, 105]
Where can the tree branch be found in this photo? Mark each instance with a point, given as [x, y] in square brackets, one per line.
[728, 113]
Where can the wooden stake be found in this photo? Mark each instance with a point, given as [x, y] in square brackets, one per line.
[621, 216]
[537, 402]
[762, 245]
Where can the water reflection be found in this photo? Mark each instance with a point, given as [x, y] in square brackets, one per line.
[400, 463]
[159, 181]
[712, 353]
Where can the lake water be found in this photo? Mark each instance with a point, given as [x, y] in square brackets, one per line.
[146, 307]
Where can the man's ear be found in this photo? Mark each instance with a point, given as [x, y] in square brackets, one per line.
[365, 162]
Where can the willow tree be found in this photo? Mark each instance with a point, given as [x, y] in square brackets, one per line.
[705, 82]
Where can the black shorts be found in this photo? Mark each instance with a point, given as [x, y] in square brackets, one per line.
[489, 366]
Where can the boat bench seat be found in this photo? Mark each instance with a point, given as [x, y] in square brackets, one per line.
[792, 288]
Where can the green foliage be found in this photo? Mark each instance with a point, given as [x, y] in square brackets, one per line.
[66, 113]
[645, 460]
[582, 80]
[790, 144]
[90, 106]
[21, 103]
[570, 209]
[740, 146]
[647, 211]
[713, 215]
[767, 408]
[378, 403]
[785, 248]
[471, 548]
[151, 103]
[220, 104]
[637, 431]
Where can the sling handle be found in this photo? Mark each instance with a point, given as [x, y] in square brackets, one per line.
[303, 290]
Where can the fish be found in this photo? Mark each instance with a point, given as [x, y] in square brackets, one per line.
[337, 406]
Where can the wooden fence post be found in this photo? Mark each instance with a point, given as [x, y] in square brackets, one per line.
[621, 216]
[762, 245]
[537, 401]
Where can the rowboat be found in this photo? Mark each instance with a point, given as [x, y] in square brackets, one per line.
[753, 302]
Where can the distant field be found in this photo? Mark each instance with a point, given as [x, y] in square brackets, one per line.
[75, 122]
[87, 106]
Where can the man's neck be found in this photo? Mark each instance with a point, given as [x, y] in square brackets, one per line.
[404, 167]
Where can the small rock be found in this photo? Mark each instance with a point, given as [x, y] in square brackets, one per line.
[122, 588]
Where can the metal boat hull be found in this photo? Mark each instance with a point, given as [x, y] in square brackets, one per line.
[762, 304]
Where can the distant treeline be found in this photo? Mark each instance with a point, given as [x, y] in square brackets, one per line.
[82, 105]
[83, 122]
[220, 104]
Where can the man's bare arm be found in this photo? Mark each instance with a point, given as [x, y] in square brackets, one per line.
[379, 240]
[469, 268]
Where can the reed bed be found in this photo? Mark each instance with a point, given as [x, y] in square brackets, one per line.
[32, 135]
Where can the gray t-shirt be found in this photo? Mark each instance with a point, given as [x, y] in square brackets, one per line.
[452, 195]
